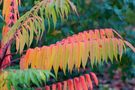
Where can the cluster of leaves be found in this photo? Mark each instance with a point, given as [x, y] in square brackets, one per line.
[98, 45]
[24, 78]
[114, 14]
[32, 22]
[117, 14]
[78, 83]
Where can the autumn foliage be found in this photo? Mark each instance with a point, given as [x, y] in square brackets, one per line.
[98, 45]
[74, 52]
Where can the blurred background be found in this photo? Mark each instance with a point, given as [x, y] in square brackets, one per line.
[95, 14]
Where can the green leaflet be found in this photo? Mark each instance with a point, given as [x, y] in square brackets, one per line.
[42, 76]
[34, 79]
[42, 16]
[26, 78]
[54, 17]
[38, 77]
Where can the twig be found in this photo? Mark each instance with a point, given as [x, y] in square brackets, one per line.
[17, 59]
[130, 45]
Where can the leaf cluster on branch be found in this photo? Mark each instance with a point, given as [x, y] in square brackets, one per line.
[83, 82]
[23, 78]
[32, 22]
[97, 45]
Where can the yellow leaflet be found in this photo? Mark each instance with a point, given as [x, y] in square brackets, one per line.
[25, 35]
[103, 49]
[42, 60]
[77, 54]
[48, 56]
[70, 61]
[56, 60]
[92, 52]
[44, 57]
[74, 54]
[110, 49]
[95, 47]
[62, 51]
[84, 53]
[106, 49]
[115, 48]
[31, 33]
[87, 48]
[32, 57]
[120, 47]
[66, 56]
[39, 59]
[17, 44]
[36, 59]
[22, 42]
[51, 56]
[99, 50]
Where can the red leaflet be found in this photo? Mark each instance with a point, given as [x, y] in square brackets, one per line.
[54, 87]
[89, 82]
[70, 85]
[94, 78]
[59, 86]
[83, 83]
[47, 88]
[77, 84]
[65, 85]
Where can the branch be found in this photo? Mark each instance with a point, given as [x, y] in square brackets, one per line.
[4, 50]
[130, 45]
